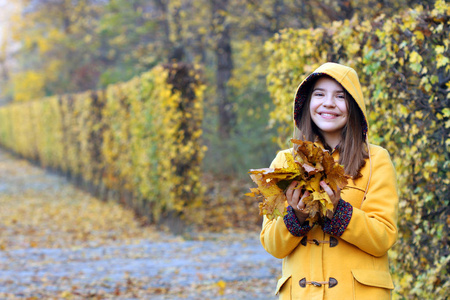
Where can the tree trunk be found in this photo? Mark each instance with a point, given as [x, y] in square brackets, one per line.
[278, 11]
[310, 13]
[177, 53]
[347, 10]
[162, 6]
[345, 6]
[224, 67]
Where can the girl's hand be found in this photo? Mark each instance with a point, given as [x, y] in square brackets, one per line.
[334, 196]
[295, 199]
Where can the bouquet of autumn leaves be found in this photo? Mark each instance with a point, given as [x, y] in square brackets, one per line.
[309, 165]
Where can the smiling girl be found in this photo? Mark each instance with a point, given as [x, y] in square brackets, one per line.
[345, 257]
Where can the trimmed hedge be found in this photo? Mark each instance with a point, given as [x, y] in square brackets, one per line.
[404, 66]
[137, 142]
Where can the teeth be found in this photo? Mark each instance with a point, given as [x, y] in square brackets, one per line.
[328, 115]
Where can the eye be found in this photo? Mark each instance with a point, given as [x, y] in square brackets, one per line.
[341, 96]
[318, 94]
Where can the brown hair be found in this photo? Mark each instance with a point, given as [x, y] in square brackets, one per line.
[352, 148]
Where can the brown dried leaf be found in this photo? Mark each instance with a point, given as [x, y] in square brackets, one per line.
[334, 174]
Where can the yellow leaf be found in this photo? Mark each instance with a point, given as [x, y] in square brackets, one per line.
[419, 35]
[415, 57]
[65, 294]
[222, 285]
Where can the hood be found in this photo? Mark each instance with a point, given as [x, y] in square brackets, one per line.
[346, 76]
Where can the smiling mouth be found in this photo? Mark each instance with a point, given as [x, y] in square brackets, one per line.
[328, 115]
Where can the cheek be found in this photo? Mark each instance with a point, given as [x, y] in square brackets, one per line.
[343, 108]
[313, 105]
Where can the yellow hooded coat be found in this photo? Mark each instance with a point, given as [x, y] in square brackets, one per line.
[352, 262]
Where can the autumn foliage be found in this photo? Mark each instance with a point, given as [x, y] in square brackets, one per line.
[308, 164]
[404, 67]
[136, 142]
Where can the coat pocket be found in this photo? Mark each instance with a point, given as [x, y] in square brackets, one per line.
[284, 287]
[372, 284]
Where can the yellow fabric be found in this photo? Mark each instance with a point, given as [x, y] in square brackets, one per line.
[373, 278]
[359, 262]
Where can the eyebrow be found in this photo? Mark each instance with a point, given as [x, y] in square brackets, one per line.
[320, 89]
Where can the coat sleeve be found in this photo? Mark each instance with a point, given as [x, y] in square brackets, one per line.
[373, 227]
[275, 237]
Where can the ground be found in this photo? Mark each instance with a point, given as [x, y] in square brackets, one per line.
[59, 242]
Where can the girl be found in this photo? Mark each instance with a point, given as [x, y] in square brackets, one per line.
[346, 256]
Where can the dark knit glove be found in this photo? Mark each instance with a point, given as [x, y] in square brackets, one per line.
[340, 220]
[293, 224]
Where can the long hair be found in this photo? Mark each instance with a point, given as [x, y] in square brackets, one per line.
[352, 148]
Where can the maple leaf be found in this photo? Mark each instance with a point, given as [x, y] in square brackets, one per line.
[272, 184]
[309, 165]
[334, 173]
[310, 156]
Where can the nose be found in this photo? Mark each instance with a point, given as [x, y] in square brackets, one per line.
[329, 101]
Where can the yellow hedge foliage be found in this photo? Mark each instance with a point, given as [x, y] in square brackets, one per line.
[139, 140]
[404, 66]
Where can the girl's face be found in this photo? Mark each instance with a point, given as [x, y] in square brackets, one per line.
[328, 108]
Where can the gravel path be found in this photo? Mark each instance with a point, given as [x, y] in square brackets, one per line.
[57, 242]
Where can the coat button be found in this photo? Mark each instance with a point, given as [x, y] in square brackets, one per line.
[332, 282]
[304, 240]
[333, 241]
[302, 282]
